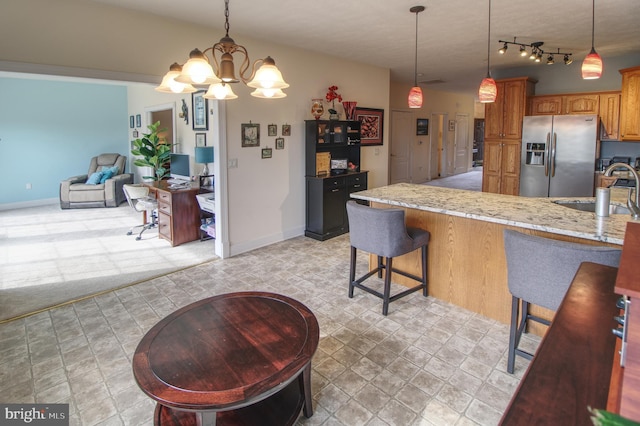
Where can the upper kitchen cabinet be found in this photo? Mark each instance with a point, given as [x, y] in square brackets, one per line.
[604, 104]
[610, 116]
[545, 105]
[582, 104]
[503, 118]
[630, 105]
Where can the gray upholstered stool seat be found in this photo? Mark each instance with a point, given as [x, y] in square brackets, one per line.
[539, 272]
[383, 232]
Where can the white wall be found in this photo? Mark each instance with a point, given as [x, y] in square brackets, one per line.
[265, 197]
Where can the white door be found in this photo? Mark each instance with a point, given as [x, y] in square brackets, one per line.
[461, 138]
[400, 146]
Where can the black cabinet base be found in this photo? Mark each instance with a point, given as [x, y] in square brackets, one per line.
[326, 236]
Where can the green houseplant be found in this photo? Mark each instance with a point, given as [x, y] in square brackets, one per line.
[155, 152]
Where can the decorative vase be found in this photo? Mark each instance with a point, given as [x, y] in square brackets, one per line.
[316, 108]
[350, 109]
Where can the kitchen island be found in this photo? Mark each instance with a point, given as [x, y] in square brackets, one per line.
[467, 265]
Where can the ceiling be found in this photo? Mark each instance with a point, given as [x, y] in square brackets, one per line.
[452, 34]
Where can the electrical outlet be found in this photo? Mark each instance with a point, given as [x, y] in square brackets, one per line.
[28, 186]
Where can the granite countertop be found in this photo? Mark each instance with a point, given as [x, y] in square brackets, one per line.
[540, 214]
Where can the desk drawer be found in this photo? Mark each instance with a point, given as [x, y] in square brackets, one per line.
[164, 225]
[164, 207]
[164, 197]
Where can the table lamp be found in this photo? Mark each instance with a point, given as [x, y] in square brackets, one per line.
[204, 155]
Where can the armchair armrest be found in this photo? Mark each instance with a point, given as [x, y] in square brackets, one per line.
[113, 192]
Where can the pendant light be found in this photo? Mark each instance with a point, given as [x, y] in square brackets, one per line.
[592, 64]
[415, 94]
[488, 90]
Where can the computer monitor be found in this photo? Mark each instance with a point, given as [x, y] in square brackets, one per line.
[179, 167]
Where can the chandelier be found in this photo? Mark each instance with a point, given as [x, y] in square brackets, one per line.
[537, 53]
[265, 77]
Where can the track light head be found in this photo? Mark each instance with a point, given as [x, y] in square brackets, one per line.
[504, 48]
[567, 59]
[534, 54]
[523, 51]
[550, 60]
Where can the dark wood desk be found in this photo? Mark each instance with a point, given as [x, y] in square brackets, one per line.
[572, 367]
[178, 212]
[234, 359]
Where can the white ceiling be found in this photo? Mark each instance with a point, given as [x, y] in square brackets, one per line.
[452, 33]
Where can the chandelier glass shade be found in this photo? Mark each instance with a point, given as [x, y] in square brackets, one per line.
[215, 67]
[169, 83]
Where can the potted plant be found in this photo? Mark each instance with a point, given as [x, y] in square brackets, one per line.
[155, 152]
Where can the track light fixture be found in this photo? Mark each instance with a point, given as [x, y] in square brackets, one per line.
[537, 52]
[263, 76]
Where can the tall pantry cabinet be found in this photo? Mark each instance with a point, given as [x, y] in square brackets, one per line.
[630, 105]
[503, 135]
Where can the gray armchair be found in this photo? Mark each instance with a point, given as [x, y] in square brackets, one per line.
[102, 190]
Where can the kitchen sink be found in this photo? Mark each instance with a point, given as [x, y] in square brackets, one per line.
[590, 206]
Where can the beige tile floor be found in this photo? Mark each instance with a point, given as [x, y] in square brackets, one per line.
[426, 363]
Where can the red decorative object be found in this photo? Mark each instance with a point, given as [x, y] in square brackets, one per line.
[332, 95]
[592, 66]
[349, 109]
[415, 97]
[488, 90]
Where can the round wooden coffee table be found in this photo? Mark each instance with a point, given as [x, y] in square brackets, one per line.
[234, 359]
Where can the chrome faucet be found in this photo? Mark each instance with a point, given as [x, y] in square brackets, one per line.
[634, 206]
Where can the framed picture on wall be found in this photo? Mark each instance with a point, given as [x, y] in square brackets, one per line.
[250, 135]
[201, 139]
[266, 153]
[371, 121]
[422, 126]
[279, 143]
[286, 130]
[272, 130]
[200, 119]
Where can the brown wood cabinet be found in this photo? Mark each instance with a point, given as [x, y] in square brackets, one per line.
[604, 104]
[545, 105]
[503, 136]
[610, 116]
[630, 105]
[582, 104]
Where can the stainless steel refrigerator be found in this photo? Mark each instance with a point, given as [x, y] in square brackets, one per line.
[558, 155]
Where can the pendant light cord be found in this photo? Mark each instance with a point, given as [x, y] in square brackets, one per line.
[489, 42]
[593, 23]
[415, 62]
[226, 17]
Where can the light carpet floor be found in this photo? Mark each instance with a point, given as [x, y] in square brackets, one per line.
[50, 256]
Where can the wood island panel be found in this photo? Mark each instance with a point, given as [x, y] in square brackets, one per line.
[467, 265]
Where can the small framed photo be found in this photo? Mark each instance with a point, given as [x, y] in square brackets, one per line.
[279, 143]
[266, 153]
[452, 125]
[201, 139]
[422, 126]
[286, 130]
[138, 120]
[200, 119]
[132, 123]
[272, 130]
[250, 135]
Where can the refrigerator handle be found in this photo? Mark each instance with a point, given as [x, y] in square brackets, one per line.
[553, 154]
[547, 154]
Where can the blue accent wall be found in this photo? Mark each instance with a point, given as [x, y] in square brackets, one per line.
[49, 130]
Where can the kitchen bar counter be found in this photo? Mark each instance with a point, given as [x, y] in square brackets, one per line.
[540, 214]
[467, 265]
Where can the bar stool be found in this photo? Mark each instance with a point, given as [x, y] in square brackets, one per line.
[383, 232]
[539, 272]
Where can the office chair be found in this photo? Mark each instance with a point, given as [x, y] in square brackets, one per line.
[138, 198]
[383, 232]
[539, 272]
